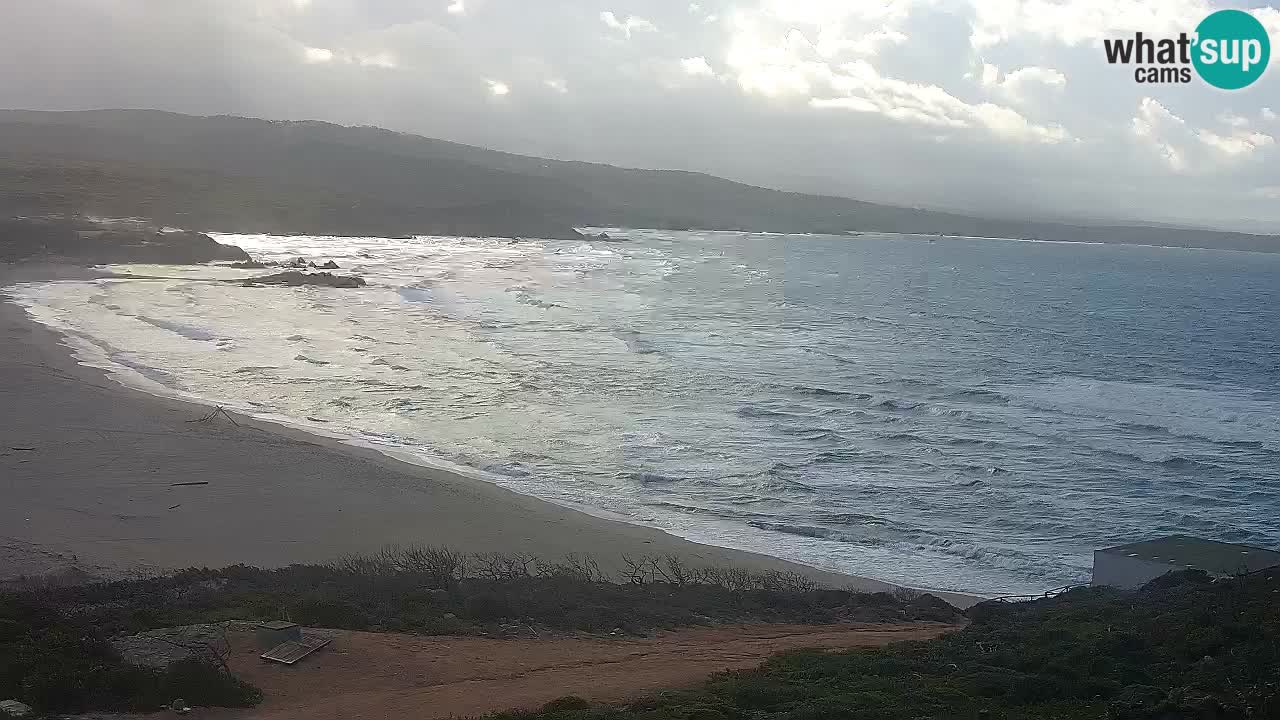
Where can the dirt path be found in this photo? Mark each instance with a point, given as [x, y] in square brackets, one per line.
[383, 675]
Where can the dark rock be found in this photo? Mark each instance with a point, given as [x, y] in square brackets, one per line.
[248, 265]
[85, 241]
[331, 265]
[294, 279]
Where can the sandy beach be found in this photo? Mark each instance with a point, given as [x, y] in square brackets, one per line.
[109, 480]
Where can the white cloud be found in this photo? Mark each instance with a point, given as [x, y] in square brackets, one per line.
[381, 59]
[1153, 124]
[1230, 118]
[1270, 19]
[872, 42]
[497, 88]
[781, 61]
[1081, 21]
[1186, 148]
[628, 26]
[864, 89]
[856, 104]
[697, 66]
[557, 85]
[317, 55]
[1270, 192]
[1268, 114]
[990, 75]
[1238, 143]
[457, 7]
[1022, 83]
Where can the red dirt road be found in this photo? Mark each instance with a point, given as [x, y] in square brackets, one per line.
[385, 675]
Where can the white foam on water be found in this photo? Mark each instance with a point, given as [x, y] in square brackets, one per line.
[668, 379]
[1220, 414]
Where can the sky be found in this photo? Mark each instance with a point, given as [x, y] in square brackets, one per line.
[995, 107]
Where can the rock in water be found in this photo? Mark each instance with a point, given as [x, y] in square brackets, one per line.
[292, 278]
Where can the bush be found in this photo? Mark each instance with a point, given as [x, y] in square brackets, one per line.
[61, 663]
[204, 683]
[54, 652]
[1089, 653]
[568, 703]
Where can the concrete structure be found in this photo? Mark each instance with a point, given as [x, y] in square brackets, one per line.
[273, 632]
[1133, 565]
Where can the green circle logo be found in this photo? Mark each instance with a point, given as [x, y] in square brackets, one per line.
[1232, 50]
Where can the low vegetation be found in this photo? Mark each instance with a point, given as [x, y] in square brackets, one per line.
[1185, 646]
[1182, 647]
[55, 650]
[53, 659]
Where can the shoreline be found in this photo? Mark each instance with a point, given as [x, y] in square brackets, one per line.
[326, 496]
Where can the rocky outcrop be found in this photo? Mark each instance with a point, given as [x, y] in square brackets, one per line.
[100, 243]
[293, 278]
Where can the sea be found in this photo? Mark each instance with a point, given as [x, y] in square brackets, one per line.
[946, 413]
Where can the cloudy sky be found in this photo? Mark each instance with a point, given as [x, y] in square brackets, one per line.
[994, 106]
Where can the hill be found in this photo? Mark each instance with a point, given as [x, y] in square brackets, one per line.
[241, 174]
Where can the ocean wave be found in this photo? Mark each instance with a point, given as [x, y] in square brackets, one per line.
[827, 392]
[650, 478]
[812, 434]
[850, 518]
[813, 531]
[256, 369]
[979, 395]
[637, 343]
[817, 411]
[939, 411]
[896, 404]
[755, 411]
[415, 294]
[939, 439]
[1211, 415]
[189, 332]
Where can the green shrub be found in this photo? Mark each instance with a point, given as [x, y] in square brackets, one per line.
[54, 652]
[60, 663]
[1176, 650]
[568, 703]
